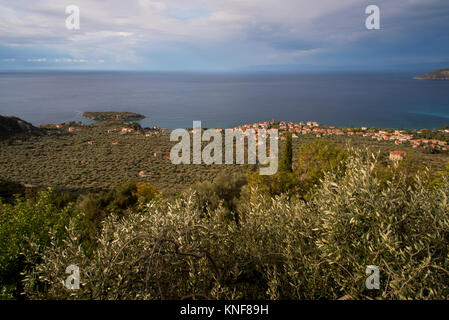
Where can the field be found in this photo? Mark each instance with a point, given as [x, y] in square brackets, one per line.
[90, 159]
[69, 162]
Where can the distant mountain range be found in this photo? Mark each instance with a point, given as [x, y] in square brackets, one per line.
[411, 68]
[440, 74]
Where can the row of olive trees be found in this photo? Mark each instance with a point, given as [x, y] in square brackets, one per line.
[281, 248]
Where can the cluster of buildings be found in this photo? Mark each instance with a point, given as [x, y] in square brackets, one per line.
[51, 126]
[284, 127]
[313, 127]
[435, 144]
[301, 128]
[397, 155]
[124, 130]
[148, 132]
[400, 137]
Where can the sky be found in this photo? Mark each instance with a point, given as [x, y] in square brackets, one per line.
[223, 35]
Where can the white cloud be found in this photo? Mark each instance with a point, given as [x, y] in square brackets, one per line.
[98, 35]
[37, 60]
[70, 60]
[152, 5]
[133, 30]
[152, 20]
[7, 13]
[124, 34]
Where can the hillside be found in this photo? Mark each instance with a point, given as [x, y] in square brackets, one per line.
[105, 154]
[11, 126]
[440, 74]
[100, 156]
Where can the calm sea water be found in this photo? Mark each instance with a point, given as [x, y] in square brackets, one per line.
[174, 100]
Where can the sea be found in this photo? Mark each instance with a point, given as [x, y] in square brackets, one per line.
[223, 100]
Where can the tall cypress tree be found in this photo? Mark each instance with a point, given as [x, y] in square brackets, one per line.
[286, 164]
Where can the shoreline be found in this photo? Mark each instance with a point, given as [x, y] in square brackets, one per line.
[437, 139]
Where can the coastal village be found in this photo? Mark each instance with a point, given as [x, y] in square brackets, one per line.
[101, 154]
[398, 137]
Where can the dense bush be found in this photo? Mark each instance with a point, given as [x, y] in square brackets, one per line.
[146, 191]
[282, 248]
[223, 191]
[286, 161]
[401, 228]
[8, 190]
[33, 216]
[432, 134]
[407, 169]
[314, 160]
[27, 220]
[96, 207]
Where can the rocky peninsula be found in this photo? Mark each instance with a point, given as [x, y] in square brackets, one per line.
[111, 116]
[440, 74]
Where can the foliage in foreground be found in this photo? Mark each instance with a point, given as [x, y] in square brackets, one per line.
[281, 248]
[23, 221]
[34, 216]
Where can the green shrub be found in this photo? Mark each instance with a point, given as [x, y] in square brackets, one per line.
[223, 191]
[400, 228]
[282, 248]
[286, 162]
[34, 220]
[8, 190]
[146, 191]
[407, 168]
[95, 207]
[315, 159]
